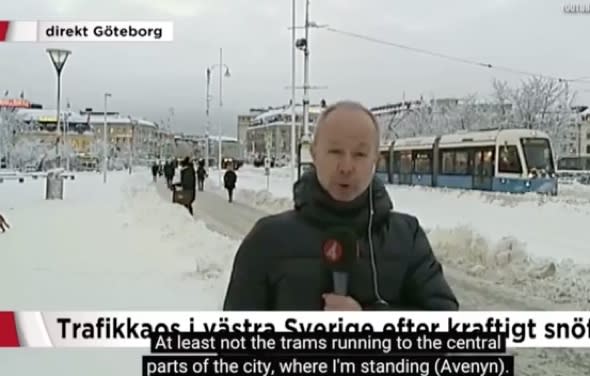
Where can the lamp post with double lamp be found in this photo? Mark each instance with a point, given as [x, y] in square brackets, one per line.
[210, 69]
[105, 156]
[59, 58]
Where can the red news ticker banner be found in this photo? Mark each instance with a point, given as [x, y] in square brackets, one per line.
[8, 332]
[3, 32]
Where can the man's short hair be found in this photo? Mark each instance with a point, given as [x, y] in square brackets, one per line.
[349, 105]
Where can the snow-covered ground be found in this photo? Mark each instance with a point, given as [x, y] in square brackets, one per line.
[123, 245]
[533, 242]
[113, 246]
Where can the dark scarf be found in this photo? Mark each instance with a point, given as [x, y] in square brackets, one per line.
[317, 206]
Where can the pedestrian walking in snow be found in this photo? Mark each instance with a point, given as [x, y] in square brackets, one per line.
[229, 181]
[201, 175]
[155, 168]
[169, 173]
[187, 184]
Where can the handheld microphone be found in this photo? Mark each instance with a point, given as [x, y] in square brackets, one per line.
[339, 253]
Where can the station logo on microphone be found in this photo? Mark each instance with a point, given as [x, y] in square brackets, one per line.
[332, 250]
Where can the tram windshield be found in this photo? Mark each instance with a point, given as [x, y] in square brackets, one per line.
[538, 155]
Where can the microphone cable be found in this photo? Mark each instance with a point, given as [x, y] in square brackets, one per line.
[380, 300]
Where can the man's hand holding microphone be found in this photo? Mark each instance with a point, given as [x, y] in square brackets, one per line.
[339, 253]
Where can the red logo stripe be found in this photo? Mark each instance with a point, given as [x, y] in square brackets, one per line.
[4, 30]
[8, 332]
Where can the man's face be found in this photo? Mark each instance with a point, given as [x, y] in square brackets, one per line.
[344, 153]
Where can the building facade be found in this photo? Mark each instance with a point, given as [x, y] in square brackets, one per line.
[244, 122]
[272, 129]
[128, 137]
[575, 149]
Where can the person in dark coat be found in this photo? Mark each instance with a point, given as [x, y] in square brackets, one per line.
[229, 181]
[280, 265]
[188, 182]
[169, 173]
[155, 168]
[201, 175]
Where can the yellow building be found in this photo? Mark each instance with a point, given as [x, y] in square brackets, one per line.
[85, 132]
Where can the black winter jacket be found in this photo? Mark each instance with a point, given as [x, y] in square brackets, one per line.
[279, 264]
[188, 180]
[229, 179]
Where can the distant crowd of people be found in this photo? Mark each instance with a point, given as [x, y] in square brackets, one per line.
[190, 179]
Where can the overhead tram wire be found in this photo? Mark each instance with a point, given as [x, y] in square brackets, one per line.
[453, 58]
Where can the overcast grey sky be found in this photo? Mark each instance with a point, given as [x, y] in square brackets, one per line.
[148, 78]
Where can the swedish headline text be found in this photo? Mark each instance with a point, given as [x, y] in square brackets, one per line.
[121, 328]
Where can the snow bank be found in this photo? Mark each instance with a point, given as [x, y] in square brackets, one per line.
[530, 242]
[113, 246]
[508, 263]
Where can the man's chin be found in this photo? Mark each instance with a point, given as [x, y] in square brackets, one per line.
[344, 195]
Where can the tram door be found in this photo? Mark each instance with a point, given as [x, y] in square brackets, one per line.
[483, 169]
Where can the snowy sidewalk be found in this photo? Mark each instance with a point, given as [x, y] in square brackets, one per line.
[118, 246]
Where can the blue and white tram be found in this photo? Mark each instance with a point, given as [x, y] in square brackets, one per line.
[505, 160]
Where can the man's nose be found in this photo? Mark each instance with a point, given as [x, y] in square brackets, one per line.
[345, 164]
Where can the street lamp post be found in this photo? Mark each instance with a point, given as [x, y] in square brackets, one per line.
[66, 126]
[293, 113]
[221, 65]
[105, 157]
[58, 58]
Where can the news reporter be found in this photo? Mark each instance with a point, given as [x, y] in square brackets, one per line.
[279, 265]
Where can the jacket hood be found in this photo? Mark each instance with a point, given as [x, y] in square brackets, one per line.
[317, 206]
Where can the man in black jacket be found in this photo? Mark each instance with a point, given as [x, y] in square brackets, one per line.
[229, 181]
[169, 173]
[201, 175]
[279, 264]
[188, 182]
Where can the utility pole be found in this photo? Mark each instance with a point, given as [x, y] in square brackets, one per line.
[66, 143]
[208, 126]
[293, 78]
[220, 143]
[306, 73]
[305, 134]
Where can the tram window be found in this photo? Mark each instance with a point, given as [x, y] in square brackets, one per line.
[461, 162]
[448, 162]
[406, 162]
[423, 163]
[509, 160]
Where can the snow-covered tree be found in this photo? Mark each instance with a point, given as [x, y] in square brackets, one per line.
[470, 114]
[32, 153]
[97, 149]
[501, 117]
[11, 127]
[538, 103]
